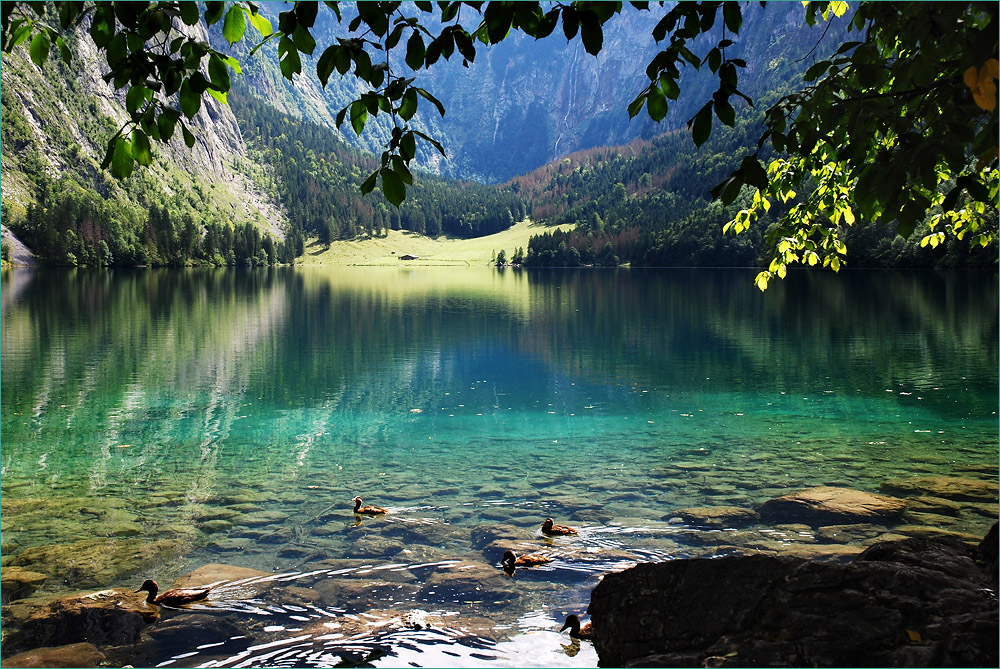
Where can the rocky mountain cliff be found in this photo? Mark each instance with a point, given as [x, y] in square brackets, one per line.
[525, 102]
[57, 119]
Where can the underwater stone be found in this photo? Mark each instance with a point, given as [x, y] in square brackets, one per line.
[825, 505]
[717, 516]
[109, 617]
[263, 518]
[96, 562]
[949, 487]
[71, 655]
[214, 526]
[16, 582]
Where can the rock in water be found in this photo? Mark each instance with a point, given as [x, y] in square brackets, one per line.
[16, 583]
[827, 505]
[105, 618]
[73, 655]
[915, 602]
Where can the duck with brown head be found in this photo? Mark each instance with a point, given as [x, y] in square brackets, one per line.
[367, 510]
[576, 630]
[174, 597]
[511, 561]
[551, 529]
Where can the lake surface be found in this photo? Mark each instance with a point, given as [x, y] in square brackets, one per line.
[157, 421]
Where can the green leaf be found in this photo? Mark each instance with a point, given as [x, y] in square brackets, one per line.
[702, 125]
[437, 145]
[432, 99]
[408, 146]
[189, 99]
[399, 167]
[39, 49]
[725, 112]
[259, 22]
[369, 184]
[121, 161]
[359, 116]
[303, 39]
[591, 33]
[656, 105]
[324, 68]
[732, 15]
[753, 173]
[669, 86]
[165, 123]
[64, 50]
[213, 12]
[218, 73]
[635, 106]
[235, 25]
[134, 98]
[393, 188]
[188, 137]
[288, 56]
[141, 151]
[408, 106]
[189, 13]
[415, 51]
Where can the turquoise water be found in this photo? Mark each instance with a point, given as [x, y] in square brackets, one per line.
[223, 416]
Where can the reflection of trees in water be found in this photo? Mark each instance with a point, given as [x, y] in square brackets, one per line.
[270, 336]
[848, 332]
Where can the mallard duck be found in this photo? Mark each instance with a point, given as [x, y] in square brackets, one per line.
[511, 560]
[549, 528]
[369, 510]
[575, 631]
[174, 597]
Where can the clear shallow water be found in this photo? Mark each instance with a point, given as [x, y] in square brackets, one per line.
[220, 416]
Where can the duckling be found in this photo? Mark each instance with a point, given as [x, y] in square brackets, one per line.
[368, 510]
[575, 631]
[511, 560]
[174, 597]
[550, 529]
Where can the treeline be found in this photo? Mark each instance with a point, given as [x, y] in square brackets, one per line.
[650, 202]
[317, 177]
[69, 225]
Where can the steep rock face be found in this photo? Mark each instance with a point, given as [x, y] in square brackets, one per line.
[525, 102]
[71, 113]
[909, 603]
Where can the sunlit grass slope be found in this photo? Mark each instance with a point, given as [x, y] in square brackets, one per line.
[430, 251]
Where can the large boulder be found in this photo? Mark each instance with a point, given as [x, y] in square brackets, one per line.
[826, 505]
[915, 602]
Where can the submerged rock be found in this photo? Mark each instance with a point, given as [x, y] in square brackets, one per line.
[105, 618]
[907, 603]
[827, 505]
[948, 487]
[71, 655]
[16, 582]
[718, 516]
[95, 562]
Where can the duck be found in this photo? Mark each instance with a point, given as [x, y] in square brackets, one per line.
[575, 630]
[511, 560]
[368, 510]
[550, 529]
[173, 597]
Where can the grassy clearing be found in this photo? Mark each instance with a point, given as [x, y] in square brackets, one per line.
[440, 251]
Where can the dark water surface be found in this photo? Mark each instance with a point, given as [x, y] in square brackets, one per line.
[157, 421]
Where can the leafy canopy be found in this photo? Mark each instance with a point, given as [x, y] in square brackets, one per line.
[899, 123]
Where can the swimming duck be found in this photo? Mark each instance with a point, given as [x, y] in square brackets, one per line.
[369, 510]
[511, 560]
[575, 631]
[174, 597]
[550, 529]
